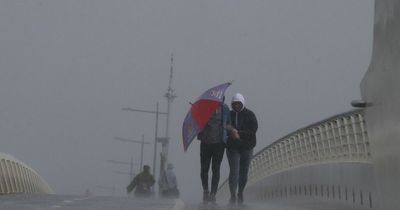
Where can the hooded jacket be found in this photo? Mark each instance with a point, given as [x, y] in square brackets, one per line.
[245, 122]
[167, 180]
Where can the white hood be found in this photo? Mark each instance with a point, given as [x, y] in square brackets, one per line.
[239, 97]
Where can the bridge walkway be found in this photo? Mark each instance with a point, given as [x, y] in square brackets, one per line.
[76, 202]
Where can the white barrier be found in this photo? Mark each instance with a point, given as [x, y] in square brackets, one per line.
[330, 159]
[17, 177]
[342, 138]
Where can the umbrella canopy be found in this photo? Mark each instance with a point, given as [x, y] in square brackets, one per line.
[201, 111]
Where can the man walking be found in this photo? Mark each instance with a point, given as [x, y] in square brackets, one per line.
[241, 141]
[143, 183]
[212, 147]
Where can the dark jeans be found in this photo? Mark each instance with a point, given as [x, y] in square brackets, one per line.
[211, 153]
[239, 162]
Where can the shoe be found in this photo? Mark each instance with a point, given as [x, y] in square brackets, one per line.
[232, 200]
[240, 197]
[212, 197]
[206, 196]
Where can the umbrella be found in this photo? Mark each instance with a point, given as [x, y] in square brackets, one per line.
[201, 111]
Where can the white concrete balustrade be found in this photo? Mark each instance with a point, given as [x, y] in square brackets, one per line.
[342, 138]
[330, 159]
[17, 177]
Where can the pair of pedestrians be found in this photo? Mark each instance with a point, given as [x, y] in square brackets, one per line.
[234, 130]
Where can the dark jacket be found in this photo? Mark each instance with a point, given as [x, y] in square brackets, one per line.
[245, 122]
[211, 133]
[143, 183]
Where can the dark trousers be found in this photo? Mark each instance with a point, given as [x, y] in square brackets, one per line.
[239, 162]
[211, 153]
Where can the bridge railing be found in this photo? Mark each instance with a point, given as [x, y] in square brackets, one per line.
[341, 138]
[17, 177]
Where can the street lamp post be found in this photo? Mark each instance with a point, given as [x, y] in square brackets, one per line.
[170, 95]
[157, 113]
[134, 141]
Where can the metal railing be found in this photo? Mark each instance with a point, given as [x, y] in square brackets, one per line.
[17, 177]
[341, 138]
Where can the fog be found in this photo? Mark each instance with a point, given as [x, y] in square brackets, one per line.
[67, 68]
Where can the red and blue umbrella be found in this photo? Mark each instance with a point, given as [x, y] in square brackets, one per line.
[201, 111]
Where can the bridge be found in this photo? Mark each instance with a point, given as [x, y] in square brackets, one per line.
[17, 177]
[327, 163]
[348, 161]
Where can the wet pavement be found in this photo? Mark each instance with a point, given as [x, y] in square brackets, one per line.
[246, 206]
[68, 202]
[65, 202]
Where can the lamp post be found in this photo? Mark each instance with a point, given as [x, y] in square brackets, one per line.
[170, 96]
[135, 141]
[157, 113]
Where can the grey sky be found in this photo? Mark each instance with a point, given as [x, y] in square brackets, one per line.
[68, 67]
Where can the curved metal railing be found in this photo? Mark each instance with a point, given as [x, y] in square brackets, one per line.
[17, 177]
[341, 138]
